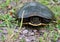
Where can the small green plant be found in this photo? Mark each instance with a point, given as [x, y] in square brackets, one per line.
[45, 2]
[7, 20]
[22, 40]
[41, 39]
[2, 36]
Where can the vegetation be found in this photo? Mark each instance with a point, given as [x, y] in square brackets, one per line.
[8, 20]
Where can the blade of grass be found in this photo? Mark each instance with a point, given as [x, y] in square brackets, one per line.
[18, 29]
[7, 2]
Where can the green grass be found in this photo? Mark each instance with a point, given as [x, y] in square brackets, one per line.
[7, 21]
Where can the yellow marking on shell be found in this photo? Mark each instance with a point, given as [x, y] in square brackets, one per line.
[35, 24]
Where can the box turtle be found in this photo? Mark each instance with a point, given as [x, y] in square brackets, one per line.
[35, 14]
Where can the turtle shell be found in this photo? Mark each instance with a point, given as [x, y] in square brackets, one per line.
[35, 9]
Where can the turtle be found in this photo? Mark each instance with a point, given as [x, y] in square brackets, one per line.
[35, 14]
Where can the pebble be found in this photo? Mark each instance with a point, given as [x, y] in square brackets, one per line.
[21, 36]
[1, 22]
[34, 30]
[32, 38]
[37, 33]
[13, 4]
[25, 31]
[58, 41]
[27, 40]
[16, 30]
[17, 40]
[32, 34]
[2, 1]
[23, 28]
[1, 11]
[5, 32]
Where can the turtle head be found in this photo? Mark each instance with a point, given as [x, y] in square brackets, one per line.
[36, 21]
